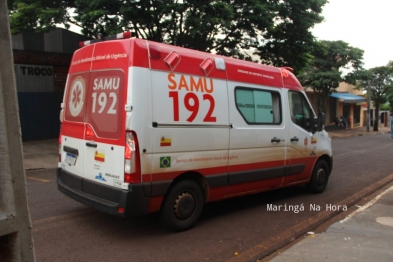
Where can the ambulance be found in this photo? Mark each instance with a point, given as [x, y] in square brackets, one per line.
[149, 127]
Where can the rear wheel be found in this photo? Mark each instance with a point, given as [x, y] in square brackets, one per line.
[182, 206]
[320, 177]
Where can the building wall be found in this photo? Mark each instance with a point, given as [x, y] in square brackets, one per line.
[329, 120]
[41, 63]
[59, 62]
[40, 80]
[56, 41]
[347, 88]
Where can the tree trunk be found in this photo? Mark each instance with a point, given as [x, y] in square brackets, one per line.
[322, 97]
[376, 119]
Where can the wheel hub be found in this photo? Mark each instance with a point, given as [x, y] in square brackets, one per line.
[184, 206]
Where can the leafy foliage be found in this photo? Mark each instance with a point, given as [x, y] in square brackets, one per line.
[386, 107]
[289, 42]
[279, 29]
[41, 15]
[327, 70]
[380, 81]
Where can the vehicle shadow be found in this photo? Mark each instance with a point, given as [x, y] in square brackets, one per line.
[136, 227]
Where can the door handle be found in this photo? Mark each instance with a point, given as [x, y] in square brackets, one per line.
[91, 144]
[275, 140]
[294, 139]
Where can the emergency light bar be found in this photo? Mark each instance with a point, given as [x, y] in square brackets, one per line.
[284, 71]
[111, 37]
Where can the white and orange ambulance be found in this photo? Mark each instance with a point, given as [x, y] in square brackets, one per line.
[150, 127]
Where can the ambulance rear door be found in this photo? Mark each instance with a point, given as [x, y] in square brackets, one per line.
[100, 93]
[74, 114]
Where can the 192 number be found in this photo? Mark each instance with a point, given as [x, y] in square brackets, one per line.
[102, 100]
[191, 102]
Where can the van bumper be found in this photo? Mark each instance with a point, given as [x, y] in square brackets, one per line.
[104, 198]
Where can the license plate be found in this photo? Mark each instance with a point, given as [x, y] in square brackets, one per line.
[70, 159]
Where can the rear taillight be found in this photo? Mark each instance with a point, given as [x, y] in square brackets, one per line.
[131, 159]
[89, 133]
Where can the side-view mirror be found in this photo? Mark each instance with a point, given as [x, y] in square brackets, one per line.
[314, 125]
[318, 123]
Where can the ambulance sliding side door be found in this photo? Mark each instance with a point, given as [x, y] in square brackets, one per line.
[257, 139]
[191, 130]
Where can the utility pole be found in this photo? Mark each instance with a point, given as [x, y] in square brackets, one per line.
[16, 243]
[368, 105]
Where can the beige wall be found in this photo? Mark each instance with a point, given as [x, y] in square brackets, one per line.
[347, 88]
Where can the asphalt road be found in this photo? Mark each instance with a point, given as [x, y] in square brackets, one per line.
[64, 230]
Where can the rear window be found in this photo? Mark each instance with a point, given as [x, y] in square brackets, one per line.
[104, 99]
[96, 98]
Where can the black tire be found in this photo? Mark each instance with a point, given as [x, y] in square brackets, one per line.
[182, 206]
[320, 177]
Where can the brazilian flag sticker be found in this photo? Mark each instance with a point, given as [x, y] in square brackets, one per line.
[165, 161]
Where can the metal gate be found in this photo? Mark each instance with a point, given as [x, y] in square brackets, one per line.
[39, 114]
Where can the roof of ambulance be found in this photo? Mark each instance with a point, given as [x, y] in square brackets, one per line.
[179, 60]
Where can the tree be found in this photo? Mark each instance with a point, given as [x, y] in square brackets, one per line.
[386, 106]
[222, 26]
[380, 80]
[40, 15]
[326, 71]
[279, 27]
[390, 93]
[290, 42]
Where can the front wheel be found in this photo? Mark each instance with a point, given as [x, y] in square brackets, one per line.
[182, 206]
[320, 177]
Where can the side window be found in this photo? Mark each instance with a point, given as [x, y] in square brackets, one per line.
[258, 106]
[301, 112]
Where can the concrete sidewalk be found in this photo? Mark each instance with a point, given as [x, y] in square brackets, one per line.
[41, 154]
[364, 235]
[335, 132]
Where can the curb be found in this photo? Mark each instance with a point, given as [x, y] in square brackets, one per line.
[281, 240]
[335, 135]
